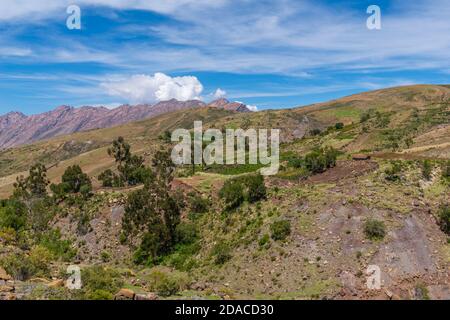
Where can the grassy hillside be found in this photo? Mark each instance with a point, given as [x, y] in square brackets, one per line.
[407, 120]
[310, 236]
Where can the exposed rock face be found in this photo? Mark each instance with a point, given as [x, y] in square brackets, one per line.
[17, 128]
[227, 105]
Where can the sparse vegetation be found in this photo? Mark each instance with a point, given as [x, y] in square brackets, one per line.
[374, 229]
[280, 229]
[444, 218]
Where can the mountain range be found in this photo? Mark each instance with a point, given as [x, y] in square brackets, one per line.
[17, 128]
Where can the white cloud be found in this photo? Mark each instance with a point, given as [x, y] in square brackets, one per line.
[249, 107]
[14, 52]
[219, 93]
[41, 9]
[159, 87]
[252, 108]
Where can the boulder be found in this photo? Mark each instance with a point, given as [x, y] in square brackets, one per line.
[124, 294]
[3, 275]
[146, 296]
[56, 284]
[6, 289]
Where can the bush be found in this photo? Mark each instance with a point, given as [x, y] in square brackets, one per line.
[374, 229]
[264, 240]
[319, 160]
[22, 266]
[100, 283]
[222, 253]
[280, 229]
[339, 126]
[232, 193]
[40, 258]
[444, 219]
[249, 188]
[446, 171]
[17, 265]
[393, 171]
[13, 215]
[58, 247]
[167, 284]
[197, 203]
[255, 188]
[60, 190]
[185, 233]
[426, 169]
[315, 132]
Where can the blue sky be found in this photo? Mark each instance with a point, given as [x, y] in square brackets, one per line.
[270, 54]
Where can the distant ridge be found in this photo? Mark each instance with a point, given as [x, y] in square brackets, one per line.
[17, 128]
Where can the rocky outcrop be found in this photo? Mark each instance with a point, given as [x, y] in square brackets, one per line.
[227, 105]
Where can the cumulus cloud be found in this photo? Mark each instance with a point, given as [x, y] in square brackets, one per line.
[143, 88]
[219, 93]
[249, 107]
[252, 108]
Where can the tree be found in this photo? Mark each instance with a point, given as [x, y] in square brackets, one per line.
[107, 178]
[132, 170]
[120, 150]
[131, 167]
[75, 179]
[34, 185]
[154, 211]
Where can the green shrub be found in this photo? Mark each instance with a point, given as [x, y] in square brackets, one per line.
[249, 188]
[339, 126]
[444, 219]
[232, 193]
[221, 252]
[319, 160]
[255, 189]
[280, 229]
[374, 229]
[393, 171]
[13, 214]
[22, 266]
[315, 132]
[100, 282]
[446, 171]
[106, 256]
[167, 283]
[264, 240]
[185, 233]
[40, 258]
[100, 295]
[197, 203]
[426, 169]
[60, 190]
[17, 265]
[57, 246]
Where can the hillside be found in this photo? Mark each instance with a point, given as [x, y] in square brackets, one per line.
[306, 238]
